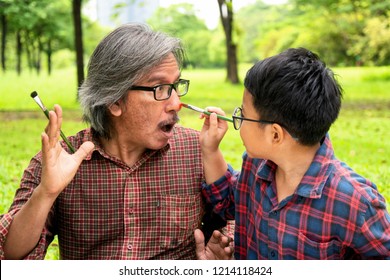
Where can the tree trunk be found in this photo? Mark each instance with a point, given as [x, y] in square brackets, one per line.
[48, 53]
[78, 41]
[18, 52]
[3, 40]
[39, 53]
[226, 13]
[29, 50]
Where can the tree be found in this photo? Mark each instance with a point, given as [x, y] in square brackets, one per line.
[226, 14]
[55, 29]
[345, 32]
[38, 26]
[180, 21]
[78, 36]
[3, 37]
[350, 28]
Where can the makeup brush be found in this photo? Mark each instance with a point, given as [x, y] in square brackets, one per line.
[35, 96]
[194, 108]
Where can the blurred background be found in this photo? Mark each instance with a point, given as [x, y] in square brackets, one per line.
[43, 35]
[45, 46]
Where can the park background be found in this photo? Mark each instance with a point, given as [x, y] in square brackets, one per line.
[353, 36]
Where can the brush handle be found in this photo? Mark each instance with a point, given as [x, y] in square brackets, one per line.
[62, 135]
[218, 116]
[196, 109]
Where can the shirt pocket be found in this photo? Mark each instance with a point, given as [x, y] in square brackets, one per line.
[179, 217]
[310, 249]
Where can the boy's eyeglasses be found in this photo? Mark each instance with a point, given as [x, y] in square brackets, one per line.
[238, 118]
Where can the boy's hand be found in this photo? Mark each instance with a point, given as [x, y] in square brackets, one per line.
[213, 130]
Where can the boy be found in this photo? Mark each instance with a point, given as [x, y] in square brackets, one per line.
[292, 199]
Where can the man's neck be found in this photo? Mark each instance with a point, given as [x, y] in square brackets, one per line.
[118, 148]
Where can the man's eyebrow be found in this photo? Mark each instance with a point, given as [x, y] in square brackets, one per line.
[158, 78]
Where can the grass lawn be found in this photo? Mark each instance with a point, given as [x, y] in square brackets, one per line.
[360, 136]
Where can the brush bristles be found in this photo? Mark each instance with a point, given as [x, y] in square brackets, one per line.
[34, 94]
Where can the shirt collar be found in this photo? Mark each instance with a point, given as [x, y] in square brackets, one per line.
[315, 178]
[313, 182]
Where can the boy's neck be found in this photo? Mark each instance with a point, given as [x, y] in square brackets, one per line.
[292, 166]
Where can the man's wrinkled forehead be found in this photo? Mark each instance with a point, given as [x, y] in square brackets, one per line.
[158, 73]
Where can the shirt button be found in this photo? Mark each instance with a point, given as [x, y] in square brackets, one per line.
[129, 247]
[275, 213]
[131, 211]
[273, 254]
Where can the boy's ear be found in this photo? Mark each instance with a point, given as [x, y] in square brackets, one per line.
[278, 133]
[115, 109]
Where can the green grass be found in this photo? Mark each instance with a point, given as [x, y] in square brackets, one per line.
[360, 136]
[365, 83]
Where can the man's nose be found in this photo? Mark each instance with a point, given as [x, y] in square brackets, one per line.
[174, 102]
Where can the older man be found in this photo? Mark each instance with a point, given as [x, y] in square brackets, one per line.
[132, 190]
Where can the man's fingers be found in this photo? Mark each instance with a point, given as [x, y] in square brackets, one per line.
[58, 112]
[199, 236]
[84, 150]
[229, 251]
[52, 129]
[45, 141]
[200, 246]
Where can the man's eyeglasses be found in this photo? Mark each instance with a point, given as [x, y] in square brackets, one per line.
[164, 91]
[238, 118]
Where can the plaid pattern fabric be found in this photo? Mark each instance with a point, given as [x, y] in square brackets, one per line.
[114, 211]
[333, 214]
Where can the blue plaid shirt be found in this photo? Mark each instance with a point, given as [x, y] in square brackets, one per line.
[333, 214]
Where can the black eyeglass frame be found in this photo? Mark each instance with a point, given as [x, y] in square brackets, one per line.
[237, 126]
[172, 86]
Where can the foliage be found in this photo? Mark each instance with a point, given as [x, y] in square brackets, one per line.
[177, 20]
[181, 21]
[374, 46]
[345, 32]
[45, 27]
[216, 48]
[256, 22]
[42, 25]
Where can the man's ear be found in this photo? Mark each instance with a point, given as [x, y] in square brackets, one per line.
[115, 109]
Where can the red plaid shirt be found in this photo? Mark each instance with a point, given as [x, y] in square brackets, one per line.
[333, 214]
[114, 211]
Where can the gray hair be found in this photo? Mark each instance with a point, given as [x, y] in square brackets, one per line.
[121, 59]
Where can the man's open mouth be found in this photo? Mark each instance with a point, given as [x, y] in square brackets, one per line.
[167, 127]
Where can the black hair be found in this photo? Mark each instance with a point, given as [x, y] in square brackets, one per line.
[297, 90]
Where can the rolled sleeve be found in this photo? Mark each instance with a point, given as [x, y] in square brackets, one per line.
[38, 253]
[220, 194]
[374, 239]
[29, 181]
